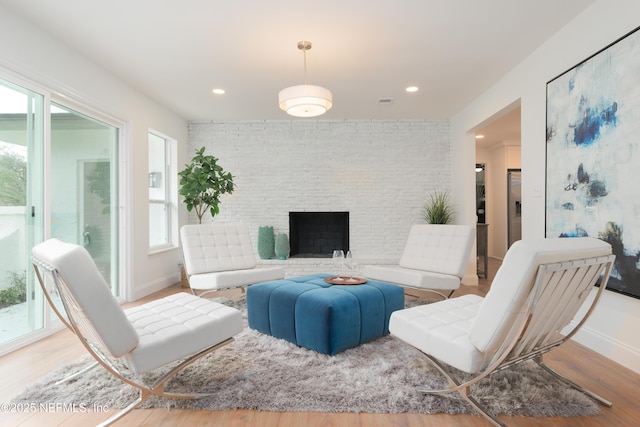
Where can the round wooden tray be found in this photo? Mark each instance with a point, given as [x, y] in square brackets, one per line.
[342, 280]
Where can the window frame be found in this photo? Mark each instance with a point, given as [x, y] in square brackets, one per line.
[169, 174]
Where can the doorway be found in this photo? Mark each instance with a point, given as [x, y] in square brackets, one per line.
[514, 206]
[499, 151]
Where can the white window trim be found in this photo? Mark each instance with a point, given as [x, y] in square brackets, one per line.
[170, 170]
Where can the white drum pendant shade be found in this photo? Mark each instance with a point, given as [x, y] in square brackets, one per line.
[305, 100]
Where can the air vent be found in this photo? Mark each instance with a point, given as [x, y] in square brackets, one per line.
[385, 101]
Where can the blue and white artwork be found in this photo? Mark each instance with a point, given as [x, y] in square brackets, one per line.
[593, 156]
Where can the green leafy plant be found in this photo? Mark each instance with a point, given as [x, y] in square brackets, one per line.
[202, 182]
[99, 180]
[439, 209]
[17, 292]
[13, 179]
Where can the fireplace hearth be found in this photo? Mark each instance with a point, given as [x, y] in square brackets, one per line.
[318, 234]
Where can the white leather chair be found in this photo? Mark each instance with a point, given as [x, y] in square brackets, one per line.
[221, 256]
[180, 327]
[539, 288]
[435, 259]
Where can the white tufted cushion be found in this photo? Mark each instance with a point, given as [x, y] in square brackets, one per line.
[439, 248]
[216, 247]
[177, 326]
[91, 292]
[412, 278]
[505, 300]
[442, 330]
[434, 257]
[221, 256]
[235, 278]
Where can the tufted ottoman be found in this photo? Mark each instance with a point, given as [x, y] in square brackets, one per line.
[326, 318]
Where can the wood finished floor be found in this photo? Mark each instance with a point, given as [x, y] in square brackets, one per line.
[580, 364]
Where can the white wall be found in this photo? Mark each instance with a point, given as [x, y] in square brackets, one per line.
[28, 52]
[612, 330]
[381, 171]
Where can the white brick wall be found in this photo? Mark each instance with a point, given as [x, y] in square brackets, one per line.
[381, 171]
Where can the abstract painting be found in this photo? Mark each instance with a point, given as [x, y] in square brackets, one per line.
[593, 156]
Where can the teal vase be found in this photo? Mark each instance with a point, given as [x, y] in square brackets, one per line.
[282, 246]
[266, 242]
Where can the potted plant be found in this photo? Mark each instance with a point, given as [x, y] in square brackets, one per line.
[202, 182]
[439, 209]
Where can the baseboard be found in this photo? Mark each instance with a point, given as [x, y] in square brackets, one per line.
[610, 348]
[156, 285]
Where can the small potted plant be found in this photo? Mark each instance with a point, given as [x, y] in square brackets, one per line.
[439, 209]
[202, 182]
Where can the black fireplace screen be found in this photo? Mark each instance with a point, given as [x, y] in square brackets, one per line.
[318, 234]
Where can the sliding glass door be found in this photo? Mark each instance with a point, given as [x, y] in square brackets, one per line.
[58, 178]
[83, 186]
[21, 208]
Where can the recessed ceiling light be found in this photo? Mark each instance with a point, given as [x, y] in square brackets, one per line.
[412, 89]
[219, 91]
[479, 136]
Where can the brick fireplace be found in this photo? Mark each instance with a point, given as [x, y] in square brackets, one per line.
[318, 234]
[379, 171]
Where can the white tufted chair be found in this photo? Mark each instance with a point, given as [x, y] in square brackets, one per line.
[435, 258]
[221, 256]
[530, 309]
[180, 327]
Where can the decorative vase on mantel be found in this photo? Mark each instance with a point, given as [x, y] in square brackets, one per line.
[282, 246]
[266, 242]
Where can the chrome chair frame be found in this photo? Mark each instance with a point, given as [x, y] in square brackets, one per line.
[558, 292]
[83, 329]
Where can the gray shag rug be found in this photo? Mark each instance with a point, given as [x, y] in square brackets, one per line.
[260, 372]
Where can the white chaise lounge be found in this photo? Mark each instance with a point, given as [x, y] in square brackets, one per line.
[535, 305]
[175, 330]
[220, 256]
[435, 258]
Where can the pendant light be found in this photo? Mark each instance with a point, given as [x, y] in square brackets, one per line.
[305, 100]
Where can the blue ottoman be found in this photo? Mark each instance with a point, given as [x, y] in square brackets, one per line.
[326, 318]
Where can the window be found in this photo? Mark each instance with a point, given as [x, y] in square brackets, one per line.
[162, 206]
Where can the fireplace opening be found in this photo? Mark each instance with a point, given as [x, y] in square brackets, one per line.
[318, 234]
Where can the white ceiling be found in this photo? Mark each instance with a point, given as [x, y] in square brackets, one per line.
[505, 129]
[176, 52]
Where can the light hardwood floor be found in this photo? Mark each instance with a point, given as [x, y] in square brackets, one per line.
[582, 365]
